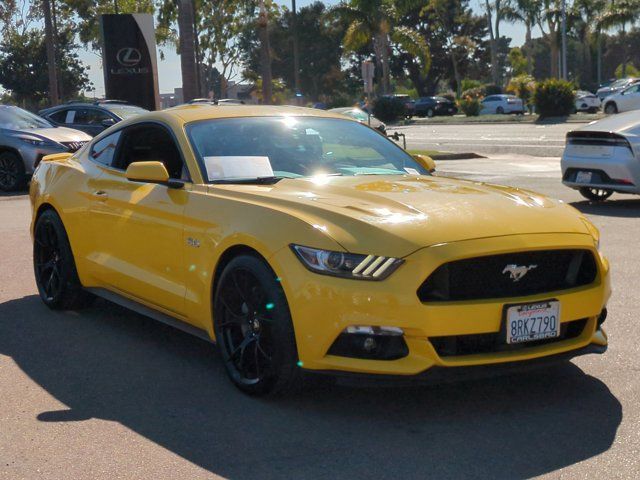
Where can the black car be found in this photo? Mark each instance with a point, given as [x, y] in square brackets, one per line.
[91, 118]
[431, 106]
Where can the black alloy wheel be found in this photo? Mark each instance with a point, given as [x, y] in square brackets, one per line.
[253, 328]
[12, 174]
[595, 194]
[54, 266]
[499, 110]
[430, 113]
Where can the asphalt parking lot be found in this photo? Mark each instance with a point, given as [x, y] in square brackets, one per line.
[107, 394]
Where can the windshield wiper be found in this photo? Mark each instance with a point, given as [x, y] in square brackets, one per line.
[248, 181]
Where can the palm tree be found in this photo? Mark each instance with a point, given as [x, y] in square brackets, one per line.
[495, 14]
[51, 52]
[587, 12]
[552, 15]
[619, 14]
[375, 22]
[528, 13]
[187, 49]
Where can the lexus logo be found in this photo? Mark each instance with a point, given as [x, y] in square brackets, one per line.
[128, 57]
[516, 272]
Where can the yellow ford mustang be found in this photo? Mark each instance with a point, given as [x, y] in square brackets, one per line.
[300, 241]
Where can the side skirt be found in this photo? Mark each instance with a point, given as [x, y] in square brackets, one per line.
[150, 312]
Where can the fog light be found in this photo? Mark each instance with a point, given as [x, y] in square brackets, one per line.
[369, 342]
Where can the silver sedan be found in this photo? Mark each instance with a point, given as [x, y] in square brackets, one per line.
[24, 139]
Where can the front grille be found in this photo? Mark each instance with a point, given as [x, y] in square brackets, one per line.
[499, 276]
[73, 146]
[456, 345]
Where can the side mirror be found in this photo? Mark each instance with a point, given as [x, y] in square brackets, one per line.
[107, 122]
[151, 172]
[426, 161]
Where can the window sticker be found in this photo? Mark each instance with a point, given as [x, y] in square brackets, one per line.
[219, 168]
[71, 115]
[411, 171]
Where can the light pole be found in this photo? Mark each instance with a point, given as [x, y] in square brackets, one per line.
[564, 39]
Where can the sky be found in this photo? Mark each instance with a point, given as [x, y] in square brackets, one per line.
[169, 69]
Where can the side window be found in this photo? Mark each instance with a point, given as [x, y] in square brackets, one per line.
[59, 117]
[90, 116]
[145, 143]
[104, 150]
[490, 99]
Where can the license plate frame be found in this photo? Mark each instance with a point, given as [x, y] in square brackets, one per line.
[528, 311]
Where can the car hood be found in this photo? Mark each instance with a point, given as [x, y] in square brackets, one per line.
[397, 215]
[57, 134]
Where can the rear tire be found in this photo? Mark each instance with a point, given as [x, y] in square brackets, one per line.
[610, 108]
[430, 113]
[54, 266]
[12, 172]
[595, 194]
[499, 110]
[254, 330]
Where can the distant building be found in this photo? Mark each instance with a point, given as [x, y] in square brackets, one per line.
[171, 99]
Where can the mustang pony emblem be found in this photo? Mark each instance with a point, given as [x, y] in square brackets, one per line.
[516, 272]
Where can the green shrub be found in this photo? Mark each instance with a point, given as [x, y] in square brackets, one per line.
[388, 109]
[523, 87]
[491, 89]
[470, 105]
[554, 98]
[475, 92]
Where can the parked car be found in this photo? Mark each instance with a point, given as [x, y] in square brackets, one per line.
[604, 157]
[409, 103]
[502, 103]
[623, 101]
[221, 101]
[24, 139]
[362, 117]
[615, 87]
[91, 118]
[587, 102]
[432, 106]
[304, 242]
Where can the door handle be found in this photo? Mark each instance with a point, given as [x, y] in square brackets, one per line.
[101, 195]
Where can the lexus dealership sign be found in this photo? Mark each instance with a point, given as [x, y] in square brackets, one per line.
[129, 59]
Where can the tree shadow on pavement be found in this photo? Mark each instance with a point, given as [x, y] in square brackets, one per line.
[108, 363]
[628, 208]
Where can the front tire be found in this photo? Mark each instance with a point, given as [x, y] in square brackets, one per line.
[595, 194]
[430, 113]
[499, 110]
[12, 172]
[54, 266]
[254, 330]
[611, 108]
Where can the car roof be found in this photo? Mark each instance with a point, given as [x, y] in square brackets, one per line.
[196, 112]
[618, 123]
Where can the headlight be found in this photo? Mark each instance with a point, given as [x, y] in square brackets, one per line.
[39, 142]
[346, 265]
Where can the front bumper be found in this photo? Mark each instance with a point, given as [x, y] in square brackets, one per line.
[32, 154]
[323, 307]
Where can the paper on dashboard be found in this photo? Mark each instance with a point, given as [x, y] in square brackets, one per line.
[220, 168]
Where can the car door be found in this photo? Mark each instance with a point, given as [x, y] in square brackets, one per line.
[630, 99]
[488, 105]
[138, 226]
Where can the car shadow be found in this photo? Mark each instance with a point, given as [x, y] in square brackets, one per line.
[108, 363]
[627, 208]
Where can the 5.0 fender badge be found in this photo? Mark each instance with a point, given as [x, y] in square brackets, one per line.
[192, 242]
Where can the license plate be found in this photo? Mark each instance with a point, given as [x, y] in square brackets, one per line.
[584, 177]
[533, 321]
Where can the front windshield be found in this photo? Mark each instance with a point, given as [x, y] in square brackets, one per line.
[14, 118]
[126, 111]
[295, 147]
